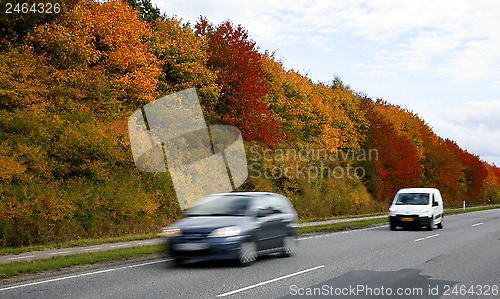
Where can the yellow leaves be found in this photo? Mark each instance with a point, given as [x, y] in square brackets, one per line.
[101, 44]
[10, 167]
[23, 79]
[313, 112]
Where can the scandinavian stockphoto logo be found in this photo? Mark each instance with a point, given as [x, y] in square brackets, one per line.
[171, 134]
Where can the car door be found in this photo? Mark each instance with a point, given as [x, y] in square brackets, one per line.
[278, 222]
[435, 208]
[264, 223]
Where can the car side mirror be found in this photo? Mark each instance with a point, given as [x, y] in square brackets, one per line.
[435, 204]
[390, 202]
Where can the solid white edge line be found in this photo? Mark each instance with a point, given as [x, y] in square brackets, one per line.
[477, 224]
[269, 281]
[82, 274]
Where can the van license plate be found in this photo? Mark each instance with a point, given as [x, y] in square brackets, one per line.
[406, 219]
[190, 246]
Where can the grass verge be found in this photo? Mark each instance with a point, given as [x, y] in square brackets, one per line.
[335, 227]
[461, 210]
[17, 268]
[341, 217]
[76, 243]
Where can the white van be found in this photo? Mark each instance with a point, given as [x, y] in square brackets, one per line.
[416, 207]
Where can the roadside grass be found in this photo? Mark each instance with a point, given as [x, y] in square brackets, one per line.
[340, 217]
[76, 243]
[59, 262]
[461, 210]
[335, 227]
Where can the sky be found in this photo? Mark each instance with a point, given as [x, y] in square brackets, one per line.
[439, 59]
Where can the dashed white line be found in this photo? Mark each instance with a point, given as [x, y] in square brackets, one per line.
[93, 248]
[59, 252]
[477, 224]
[115, 246]
[21, 257]
[270, 281]
[81, 275]
[428, 237]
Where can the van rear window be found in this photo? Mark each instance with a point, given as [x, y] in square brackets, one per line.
[413, 199]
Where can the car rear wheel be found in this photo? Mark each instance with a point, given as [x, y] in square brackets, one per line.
[248, 253]
[289, 246]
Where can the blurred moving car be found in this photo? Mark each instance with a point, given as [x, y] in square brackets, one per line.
[416, 207]
[237, 225]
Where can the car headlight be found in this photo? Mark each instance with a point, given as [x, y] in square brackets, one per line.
[229, 231]
[170, 232]
[392, 210]
[424, 210]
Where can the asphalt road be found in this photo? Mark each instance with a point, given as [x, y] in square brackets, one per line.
[461, 260]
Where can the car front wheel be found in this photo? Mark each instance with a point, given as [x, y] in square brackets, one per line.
[248, 253]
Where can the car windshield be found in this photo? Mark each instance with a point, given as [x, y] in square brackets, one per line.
[413, 199]
[223, 205]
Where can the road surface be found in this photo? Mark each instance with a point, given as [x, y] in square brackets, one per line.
[461, 260]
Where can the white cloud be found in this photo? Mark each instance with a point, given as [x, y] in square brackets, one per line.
[455, 39]
[439, 53]
[473, 125]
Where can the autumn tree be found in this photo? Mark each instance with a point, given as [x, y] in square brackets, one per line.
[184, 61]
[473, 169]
[235, 58]
[100, 49]
[397, 165]
[147, 10]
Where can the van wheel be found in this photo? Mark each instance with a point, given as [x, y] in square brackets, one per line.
[393, 226]
[431, 225]
[440, 224]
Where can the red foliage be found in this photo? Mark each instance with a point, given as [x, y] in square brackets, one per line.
[240, 73]
[397, 165]
[474, 170]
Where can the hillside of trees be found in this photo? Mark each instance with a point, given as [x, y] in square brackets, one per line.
[69, 82]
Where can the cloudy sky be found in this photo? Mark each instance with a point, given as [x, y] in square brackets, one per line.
[440, 59]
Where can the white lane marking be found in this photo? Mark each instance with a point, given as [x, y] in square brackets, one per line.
[115, 246]
[477, 224]
[59, 252]
[428, 237]
[93, 248]
[269, 281]
[20, 257]
[82, 275]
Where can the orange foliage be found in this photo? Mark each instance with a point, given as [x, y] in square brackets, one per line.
[101, 42]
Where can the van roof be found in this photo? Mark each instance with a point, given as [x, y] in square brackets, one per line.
[417, 190]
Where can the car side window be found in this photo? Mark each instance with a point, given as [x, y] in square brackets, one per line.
[277, 204]
[258, 204]
[434, 201]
